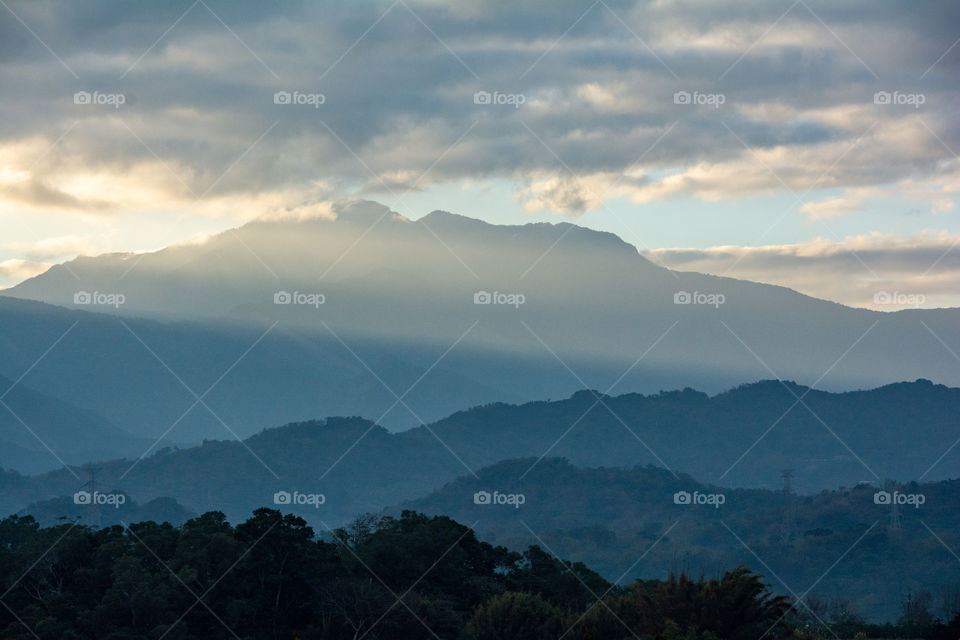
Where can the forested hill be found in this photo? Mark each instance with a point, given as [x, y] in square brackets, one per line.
[410, 577]
[828, 542]
[745, 437]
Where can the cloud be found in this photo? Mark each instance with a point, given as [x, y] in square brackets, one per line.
[17, 269]
[830, 208]
[50, 249]
[852, 271]
[199, 130]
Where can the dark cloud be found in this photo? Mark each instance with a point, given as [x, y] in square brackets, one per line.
[399, 92]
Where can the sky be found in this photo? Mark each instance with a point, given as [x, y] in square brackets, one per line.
[809, 144]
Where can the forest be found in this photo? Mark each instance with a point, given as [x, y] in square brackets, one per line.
[411, 576]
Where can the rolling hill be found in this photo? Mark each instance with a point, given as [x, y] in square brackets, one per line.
[744, 437]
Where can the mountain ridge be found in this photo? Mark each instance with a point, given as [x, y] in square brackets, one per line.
[361, 466]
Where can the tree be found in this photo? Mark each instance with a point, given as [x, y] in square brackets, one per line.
[916, 615]
[516, 616]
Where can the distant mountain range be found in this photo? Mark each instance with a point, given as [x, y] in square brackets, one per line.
[39, 432]
[745, 437]
[361, 309]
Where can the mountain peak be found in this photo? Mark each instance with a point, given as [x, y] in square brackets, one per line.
[441, 214]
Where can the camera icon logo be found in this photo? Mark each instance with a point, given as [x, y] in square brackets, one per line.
[282, 97]
[681, 97]
[681, 497]
[881, 497]
[482, 497]
[882, 297]
[282, 297]
[482, 297]
[882, 97]
[82, 497]
[682, 297]
[82, 297]
[281, 497]
[482, 97]
[82, 97]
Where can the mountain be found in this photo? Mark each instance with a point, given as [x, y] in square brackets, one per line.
[146, 376]
[52, 512]
[743, 437]
[626, 525]
[39, 432]
[573, 308]
[831, 440]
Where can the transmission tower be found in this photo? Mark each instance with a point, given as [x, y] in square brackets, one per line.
[789, 525]
[896, 524]
[90, 486]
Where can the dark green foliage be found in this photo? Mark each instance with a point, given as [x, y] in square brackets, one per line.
[516, 616]
[409, 577]
[735, 607]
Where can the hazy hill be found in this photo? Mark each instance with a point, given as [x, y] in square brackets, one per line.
[59, 510]
[743, 437]
[142, 374]
[39, 432]
[360, 466]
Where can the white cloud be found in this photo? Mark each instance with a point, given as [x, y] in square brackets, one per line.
[831, 208]
[59, 247]
[18, 269]
[851, 271]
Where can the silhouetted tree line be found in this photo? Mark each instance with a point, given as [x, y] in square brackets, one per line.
[819, 618]
[380, 578]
